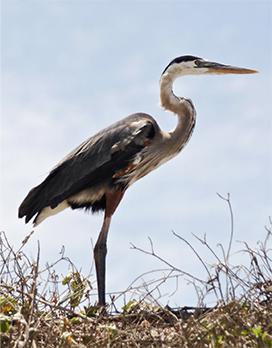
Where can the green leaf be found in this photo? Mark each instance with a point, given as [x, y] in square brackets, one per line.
[4, 326]
[244, 332]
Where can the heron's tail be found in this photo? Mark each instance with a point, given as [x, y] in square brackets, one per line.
[32, 204]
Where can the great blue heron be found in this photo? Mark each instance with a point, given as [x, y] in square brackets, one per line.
[97, 173]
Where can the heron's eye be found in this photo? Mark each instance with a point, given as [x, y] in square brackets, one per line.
[197, 62]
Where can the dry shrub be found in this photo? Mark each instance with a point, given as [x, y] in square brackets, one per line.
[34, 312]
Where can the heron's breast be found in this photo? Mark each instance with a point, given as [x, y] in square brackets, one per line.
[145, 162]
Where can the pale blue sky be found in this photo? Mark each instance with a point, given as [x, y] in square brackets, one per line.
[71, 68]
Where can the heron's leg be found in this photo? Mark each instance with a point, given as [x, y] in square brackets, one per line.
[100, 250]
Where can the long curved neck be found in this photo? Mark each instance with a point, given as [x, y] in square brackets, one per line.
[182, 107]
[169, 100]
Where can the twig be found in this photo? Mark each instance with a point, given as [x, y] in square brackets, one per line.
[231, 224]
[52, 305]
[152, 253]
[195, 252]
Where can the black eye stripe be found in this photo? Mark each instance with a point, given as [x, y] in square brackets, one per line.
[180, 60]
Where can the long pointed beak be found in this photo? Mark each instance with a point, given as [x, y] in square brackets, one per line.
[218, 68]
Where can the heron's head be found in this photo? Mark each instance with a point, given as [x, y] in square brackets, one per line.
[191, 65]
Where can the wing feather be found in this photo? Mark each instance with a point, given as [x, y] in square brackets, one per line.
[93, 163]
